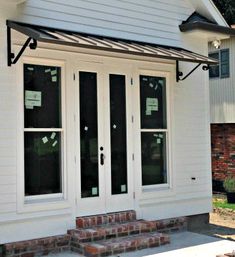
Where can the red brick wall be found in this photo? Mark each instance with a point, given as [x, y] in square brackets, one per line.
[223, 150]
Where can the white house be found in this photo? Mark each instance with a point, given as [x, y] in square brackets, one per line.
[94, 115]
[222, 106]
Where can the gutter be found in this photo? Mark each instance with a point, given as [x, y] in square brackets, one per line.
[199, 25]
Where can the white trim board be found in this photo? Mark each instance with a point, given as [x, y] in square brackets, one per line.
[208, 9]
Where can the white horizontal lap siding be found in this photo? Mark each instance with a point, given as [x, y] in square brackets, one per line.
[191, 145]
[7, 127]
[7, 198]
[222, 91]
[151, 21]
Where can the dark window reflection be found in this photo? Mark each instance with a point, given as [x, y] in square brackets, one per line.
[89, 134]
[153, 158]
[224, 63]
[214, 69]
[42, 163]
[118, 134]
[153, 102]
[42, 109]
[42, 96]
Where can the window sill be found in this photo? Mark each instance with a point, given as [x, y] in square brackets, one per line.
[43, 198]
[216, 78]
[39, 204]
[154, 188]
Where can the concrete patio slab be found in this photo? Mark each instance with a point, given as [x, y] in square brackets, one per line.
[183, 244]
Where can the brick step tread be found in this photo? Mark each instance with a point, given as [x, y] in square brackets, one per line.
[108, 218]
[107, 231]
[120, 245]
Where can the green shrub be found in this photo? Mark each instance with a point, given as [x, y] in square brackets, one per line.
[229, 184]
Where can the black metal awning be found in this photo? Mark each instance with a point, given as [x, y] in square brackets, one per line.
[69, 38]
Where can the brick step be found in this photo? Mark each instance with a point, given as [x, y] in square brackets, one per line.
[109, 218]
[71, 241]
[119, 245]
[107, 231]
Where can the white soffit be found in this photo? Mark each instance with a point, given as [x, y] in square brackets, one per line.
[208, 9]
[209, 35]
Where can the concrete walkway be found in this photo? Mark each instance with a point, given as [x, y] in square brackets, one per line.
[184, 244]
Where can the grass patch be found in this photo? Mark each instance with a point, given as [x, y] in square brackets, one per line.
[224, 205]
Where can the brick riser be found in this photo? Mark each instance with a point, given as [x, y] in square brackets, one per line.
[110, 218]
[120, 245]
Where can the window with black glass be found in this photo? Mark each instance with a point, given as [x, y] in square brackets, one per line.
[214, 69]
[222, 69]
[154, 130]
[42, 130]
[224, 63]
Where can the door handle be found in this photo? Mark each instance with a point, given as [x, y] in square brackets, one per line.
[101, 159]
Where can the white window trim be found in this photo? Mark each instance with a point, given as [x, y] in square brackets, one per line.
[39, 202]
[166, 187]
[162, 190]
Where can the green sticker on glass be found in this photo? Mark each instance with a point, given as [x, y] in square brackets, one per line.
[33, 98]
[151, 104]
[54, 79]
[94, 190]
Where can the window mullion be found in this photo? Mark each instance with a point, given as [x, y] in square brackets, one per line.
[154, 130]
[43, 129]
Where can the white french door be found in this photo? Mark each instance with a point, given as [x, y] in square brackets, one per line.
[104, 139]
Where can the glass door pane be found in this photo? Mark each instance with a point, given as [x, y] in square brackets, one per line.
[89, 135]
[117, 89]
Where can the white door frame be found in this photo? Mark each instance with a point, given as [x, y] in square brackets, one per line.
[91, 205]
[105, 202]
[120, 202]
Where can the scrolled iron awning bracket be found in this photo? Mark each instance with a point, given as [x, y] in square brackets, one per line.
[179, 74]
[11, 58]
